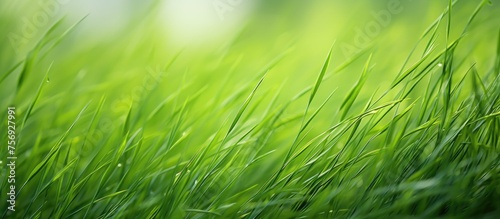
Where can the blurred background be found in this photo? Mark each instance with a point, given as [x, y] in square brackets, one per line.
[146, 60]
[221, 45]
[210, 26]
[118, 39]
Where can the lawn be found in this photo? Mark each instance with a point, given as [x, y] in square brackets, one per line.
[320, 109]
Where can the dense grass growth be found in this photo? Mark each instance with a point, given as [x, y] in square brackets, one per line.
[124, 129]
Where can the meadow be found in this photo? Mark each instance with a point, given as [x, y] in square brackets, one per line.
[321, 109]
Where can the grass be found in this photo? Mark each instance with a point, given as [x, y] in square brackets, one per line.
[101, 136]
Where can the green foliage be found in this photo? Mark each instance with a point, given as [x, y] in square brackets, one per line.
[110, 136]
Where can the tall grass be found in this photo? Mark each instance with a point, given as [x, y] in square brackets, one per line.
[425, 146]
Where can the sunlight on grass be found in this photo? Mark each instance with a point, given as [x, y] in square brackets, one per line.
[321, 109]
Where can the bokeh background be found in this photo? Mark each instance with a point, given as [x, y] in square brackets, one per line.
[117, 41]
[154, 56]
[227, 43]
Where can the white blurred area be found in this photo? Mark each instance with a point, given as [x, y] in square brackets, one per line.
[204, 22]
[185, 23]
[105, 18]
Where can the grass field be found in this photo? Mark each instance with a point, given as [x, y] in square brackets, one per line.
[327, 109]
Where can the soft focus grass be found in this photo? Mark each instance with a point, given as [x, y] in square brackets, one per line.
[134, 127]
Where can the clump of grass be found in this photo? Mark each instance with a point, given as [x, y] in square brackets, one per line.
[427, 146]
